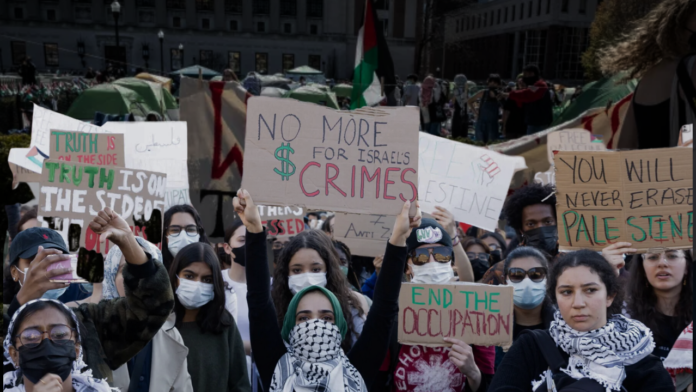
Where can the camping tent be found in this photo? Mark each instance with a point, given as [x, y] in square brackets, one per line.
[343, 90]
[310, 74]
[123, 96]
[314, 94]
[192, 72]
[273, 92]
[165, 82]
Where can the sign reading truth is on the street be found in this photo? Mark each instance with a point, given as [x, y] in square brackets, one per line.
[302, 154]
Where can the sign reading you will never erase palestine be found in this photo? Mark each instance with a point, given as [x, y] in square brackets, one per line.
[644, 197]
[302, 154]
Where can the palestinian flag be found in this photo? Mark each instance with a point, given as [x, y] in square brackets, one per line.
[372, 61]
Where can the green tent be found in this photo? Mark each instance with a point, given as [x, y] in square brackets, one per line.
[123, 96]
[192, 72]
[343, 90]
[314, 94]
[595, 95]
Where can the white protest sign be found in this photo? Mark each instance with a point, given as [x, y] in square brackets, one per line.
[471, 182]
[573, 140]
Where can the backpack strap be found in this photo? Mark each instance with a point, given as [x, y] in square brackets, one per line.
[548, 349]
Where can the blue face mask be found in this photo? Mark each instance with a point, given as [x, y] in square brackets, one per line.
[528, 294]
[54, 294]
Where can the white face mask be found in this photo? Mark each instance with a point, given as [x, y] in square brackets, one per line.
[175, 244]
[193, 295]
[301, 281]
[528, 294]
[432, 273]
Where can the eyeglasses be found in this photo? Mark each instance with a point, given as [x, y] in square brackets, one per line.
[480, 256]
[441, 254]
[59, 334]
[670, 256]
[517, 275]
[191, 230]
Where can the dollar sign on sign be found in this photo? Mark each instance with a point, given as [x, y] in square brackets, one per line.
[282, 154]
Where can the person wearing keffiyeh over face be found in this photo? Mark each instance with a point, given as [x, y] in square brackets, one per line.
[597, 348]
[318, 323]
[43, 343]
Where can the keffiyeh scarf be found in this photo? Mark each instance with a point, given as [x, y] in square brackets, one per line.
[81, 375]
[316, 362]
[113, 260]
[681, 357]
[602, 354]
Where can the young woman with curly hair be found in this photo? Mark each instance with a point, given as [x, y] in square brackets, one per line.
[653, 51]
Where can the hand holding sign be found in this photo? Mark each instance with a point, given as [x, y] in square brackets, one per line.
[246, 209]
[614, 254]
[446, 219]
[462, 356]
[404, 224]
[37, 278]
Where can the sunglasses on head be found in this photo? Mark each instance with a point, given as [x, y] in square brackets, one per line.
[441, 254]
[517, 275]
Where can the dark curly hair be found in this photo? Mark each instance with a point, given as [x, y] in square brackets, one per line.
[597, 264]
[167, 256]
[335, 281]
[642, 301]
[529, 195]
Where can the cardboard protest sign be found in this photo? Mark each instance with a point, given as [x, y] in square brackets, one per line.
[299, 153]
[282, 222]
[365, 234]
[573, 140]
[474, 313]
[92, 148]
[644, 197]
[216, 148]
[76, 192]
[471, 182]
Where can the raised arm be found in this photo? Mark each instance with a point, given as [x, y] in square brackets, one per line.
[370, 349]
[461, 260]
[264, 331]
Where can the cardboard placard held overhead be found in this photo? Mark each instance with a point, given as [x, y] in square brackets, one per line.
[573, 140]
[644, 197]
[365, 235]
[302, 154]
[282, 222]
[91, 148]
[471, 182]
[474, 313]
[76, 192]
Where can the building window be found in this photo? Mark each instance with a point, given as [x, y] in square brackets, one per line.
[529, 14]
[206, 59]
[315, 61]
[573, 42]
[565, 5]
[506, 15]
[480, 20]
[288, 61]
[521, 11]
[513, 13]
[260, 27]
[288, 8]
[583, 7]
[313, 29]
[548, 7]
[261, 7]
[485, 20]
[456, 30]
[176, 58]
[233, 6]
[176, 22]
[205, 24]
[19, 13]
[234, 62]
[234, 25]
[384, 25]
[499, 13]
[287, 28]
[146, 16]
[204, 5]
[51, 15]
[533, 46]
[539, 8]
[262, 63]
[19, 51]
[176, 4]
[51, 55]
[145, 3]
[315, 8]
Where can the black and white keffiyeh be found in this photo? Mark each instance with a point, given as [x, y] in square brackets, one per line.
[603, 353]
[316, 362]
[82, 379]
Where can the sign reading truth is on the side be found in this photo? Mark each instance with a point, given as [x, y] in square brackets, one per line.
[475, 313]
[644, 197]
[104, 149]
[302, 154]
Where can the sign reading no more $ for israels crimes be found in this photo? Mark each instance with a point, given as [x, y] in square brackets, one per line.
[77, 192]
[644, 197]
[302, 154]
[473, 313]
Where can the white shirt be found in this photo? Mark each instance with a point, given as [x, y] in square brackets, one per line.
[231, 300]
[242, 308]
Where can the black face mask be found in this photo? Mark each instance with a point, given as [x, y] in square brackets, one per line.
[47, 357]
[240, 255]
[543, 238]
[496, 256]
[479, 268]
[223, 257]
[530, 80]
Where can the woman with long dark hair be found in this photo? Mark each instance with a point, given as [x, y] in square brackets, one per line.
[590, 345]
[216, 358]
[182, 226]
[661, 295]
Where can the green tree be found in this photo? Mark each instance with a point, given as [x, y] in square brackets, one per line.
[613, 19]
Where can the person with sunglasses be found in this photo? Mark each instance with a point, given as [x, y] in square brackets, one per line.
[43, 344]
[525, 270]
[480, 255]
[460, 367]
[182, 227]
